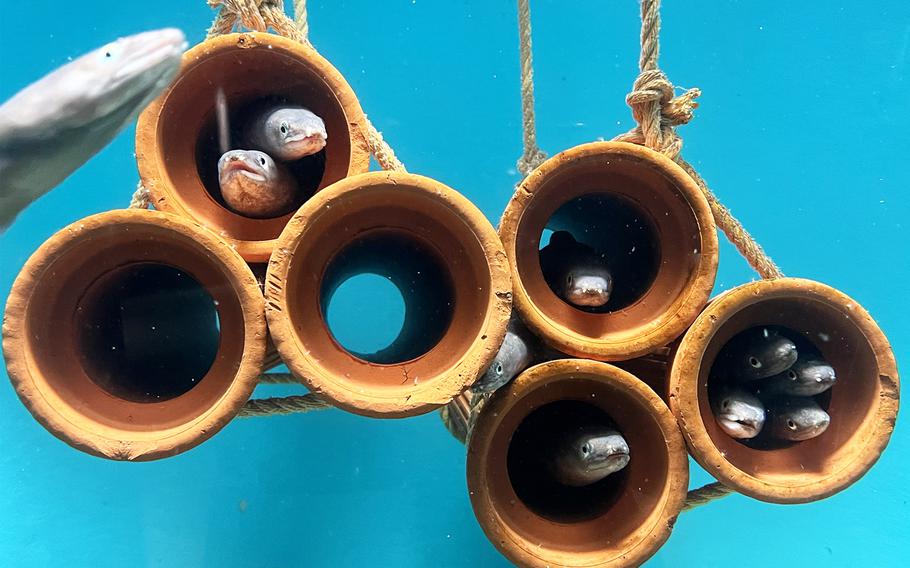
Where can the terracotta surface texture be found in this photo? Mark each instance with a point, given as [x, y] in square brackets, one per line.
[862, 404]
[60, 298]
[620, 521]
[441, 253]
[677, 228]
[177, 143]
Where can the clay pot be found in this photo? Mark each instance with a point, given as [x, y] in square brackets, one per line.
[441, 253]
[863, 402]
[134, 335]
[649, 219]
[177, 146]
[619, 521]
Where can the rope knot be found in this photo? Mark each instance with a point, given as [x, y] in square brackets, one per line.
[258, 15]
[657, 111]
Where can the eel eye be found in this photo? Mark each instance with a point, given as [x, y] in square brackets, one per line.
[284, 128]
[261, 160]
[756, 364]
[791, 424]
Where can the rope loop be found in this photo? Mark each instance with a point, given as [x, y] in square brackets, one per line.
[658, 112]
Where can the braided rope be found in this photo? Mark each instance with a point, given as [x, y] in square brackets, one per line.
[460, 415]
[283, 405]
[300, 18]
[140, 198]
[533, 156]
[706, 494]
[278, 379]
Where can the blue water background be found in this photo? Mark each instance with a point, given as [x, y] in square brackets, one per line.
[802, 131]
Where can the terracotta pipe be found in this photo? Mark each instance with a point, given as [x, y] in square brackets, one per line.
[441, 253]
[620, 521]
[134, 335]
[651, 221]
[652, 369]
[863, 402]
[177, 147]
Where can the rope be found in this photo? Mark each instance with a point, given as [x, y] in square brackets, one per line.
[657, 112]
[747, 246]
[533, 156]
[140, 199]
[706, 494]
[278, 379]
[300, 18]
[283, 405]
[460, 415]
[257, 15]
[260, 15]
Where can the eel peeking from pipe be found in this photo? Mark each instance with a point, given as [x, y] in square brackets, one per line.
[583, 456]
[575, 272]
[285, 132]
[253, 184]
[55, 125]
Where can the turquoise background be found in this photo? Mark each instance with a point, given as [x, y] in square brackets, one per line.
[801, 131]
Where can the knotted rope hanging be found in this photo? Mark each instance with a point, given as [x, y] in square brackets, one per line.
[657, 112]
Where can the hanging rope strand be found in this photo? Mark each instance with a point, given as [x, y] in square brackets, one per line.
[747, 246]
[300, 18]
[533, 156]
[657, 112]
[650, 36]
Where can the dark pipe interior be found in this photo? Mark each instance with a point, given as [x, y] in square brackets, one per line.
[307, 171]
[148, 332]
[534, 485]
[619, 231]
[764, 441]
[420, 275]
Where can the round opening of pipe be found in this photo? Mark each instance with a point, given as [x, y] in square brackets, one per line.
[555, 466]
[148, 332]
[387, 298]
[366, 314]
[599, 253]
